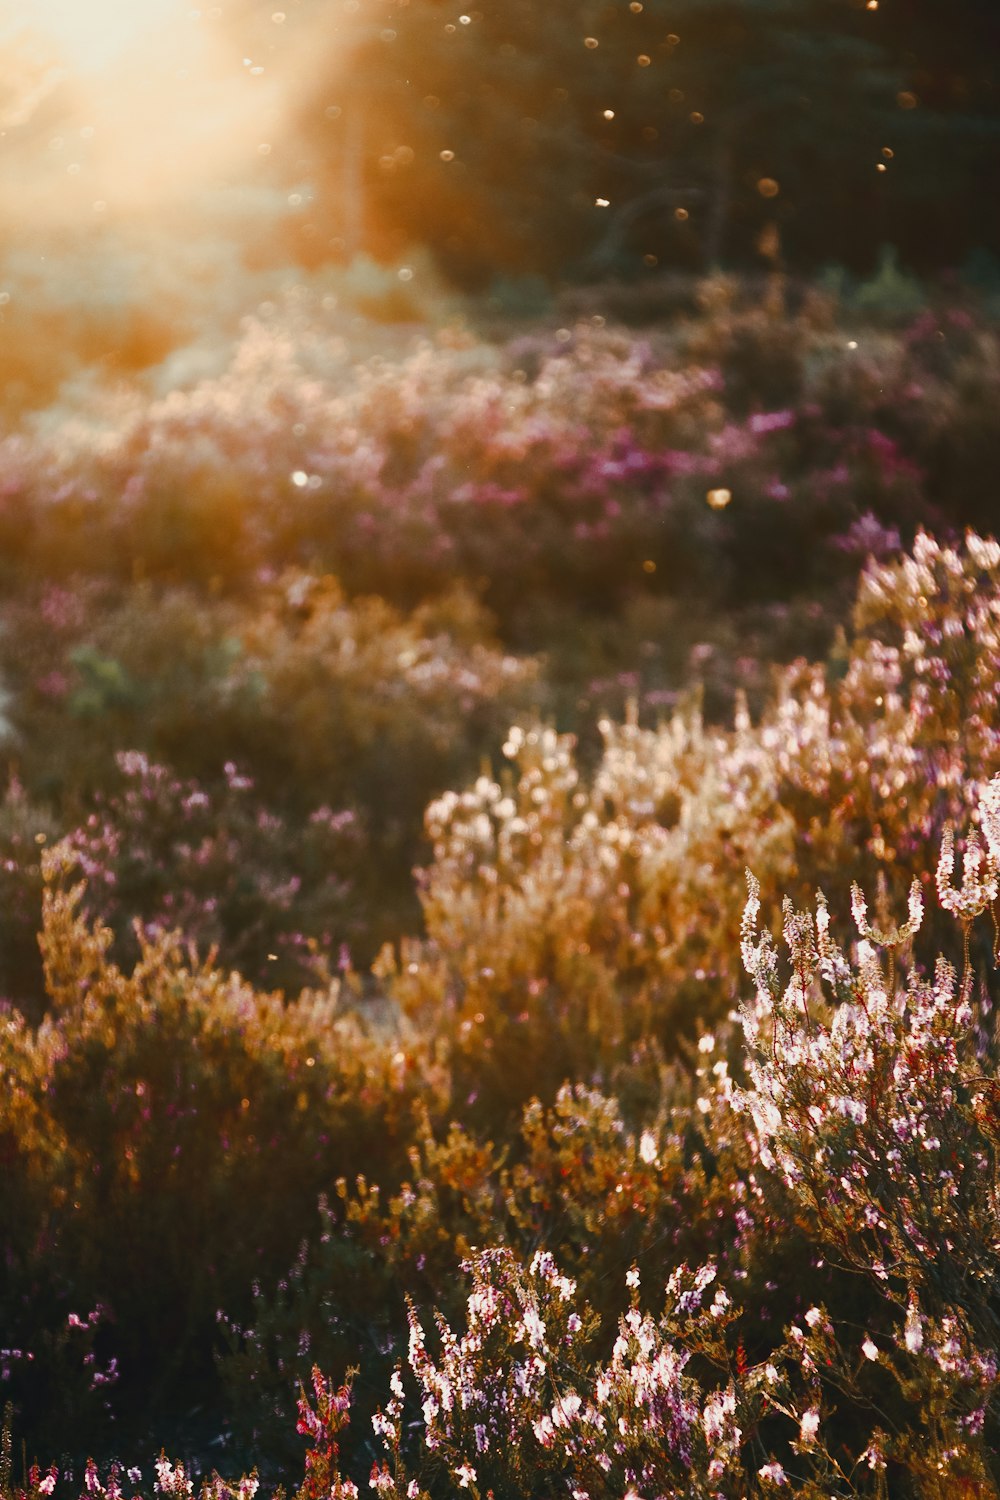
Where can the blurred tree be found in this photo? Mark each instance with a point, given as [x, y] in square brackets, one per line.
[583, 139]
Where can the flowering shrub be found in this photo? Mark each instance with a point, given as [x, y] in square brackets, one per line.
[213, 739]
[611, 1190]
[311, 703]
[861, 1133]
[567, 916]
[868, 1137]
[870, 1095]
[555, 468]
[169, 1108]
[221, 869]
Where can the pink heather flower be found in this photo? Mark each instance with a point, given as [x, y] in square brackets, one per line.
[772, 1473]
[47, 1485]
[771, 421]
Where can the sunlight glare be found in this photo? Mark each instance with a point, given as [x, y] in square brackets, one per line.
[148, 104]
[93, 33]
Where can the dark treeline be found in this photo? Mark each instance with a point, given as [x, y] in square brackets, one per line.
[737, 132]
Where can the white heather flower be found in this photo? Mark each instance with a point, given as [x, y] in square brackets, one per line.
[647, 1147]
[466, 1475]
[915, 907]
[913, 1330]
[859, 910]
[565, 1409]
[544, 1431]
[873, 1455]
[809, 1426]
[632, 1277]
[772, 1473]
[989, 818]
[869, 1349]
[533, 1328]
[719, 1303]
[979, 886]
[814, 1317]
[896, 935]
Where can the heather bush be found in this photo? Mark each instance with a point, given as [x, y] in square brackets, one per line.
[229, 874]
[862, 1135]
[296, 671]
[855, 1136]
[26, 827]
[612, 1186]
[567, 915]
[166, 1132]
[870, 1095]
[311, 701]
[553, 467]
[251, 631]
